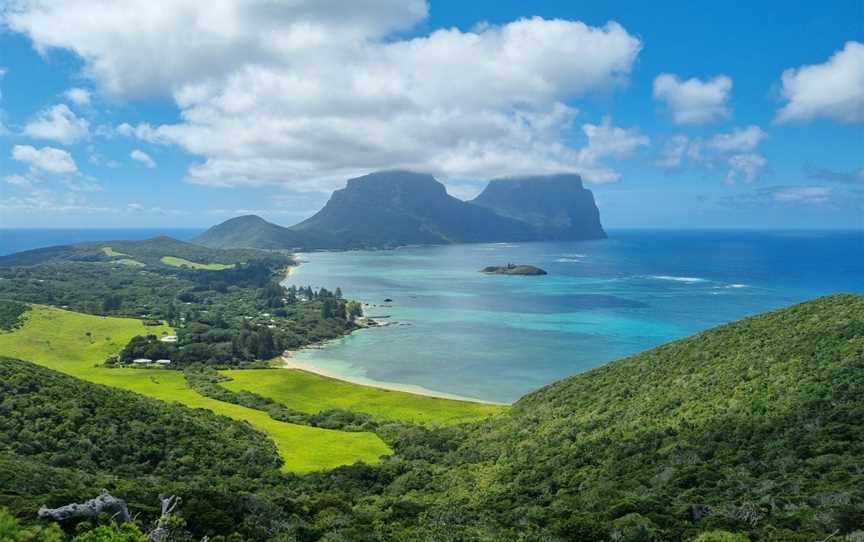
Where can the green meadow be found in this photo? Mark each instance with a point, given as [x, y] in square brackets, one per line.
[311, 393]
[111, 253]
[174, 261]
[74, 343]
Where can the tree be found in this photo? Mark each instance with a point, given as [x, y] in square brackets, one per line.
[127, 532]
[12, 531]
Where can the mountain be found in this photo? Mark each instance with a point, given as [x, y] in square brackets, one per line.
[254, 231]
[394, 208]
[558, 207]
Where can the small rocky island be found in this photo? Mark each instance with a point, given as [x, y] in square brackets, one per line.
[511, 269]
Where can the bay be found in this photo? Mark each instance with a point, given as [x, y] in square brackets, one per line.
[498, 337]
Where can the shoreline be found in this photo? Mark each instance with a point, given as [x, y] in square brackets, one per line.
[288, 362]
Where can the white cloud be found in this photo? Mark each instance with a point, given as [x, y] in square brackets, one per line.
[832, 90]
[137, 47]
[802, 194]
[735, 151]
[78, 96]
[20, 181]
[694, 101]
[142, 131]
[738, 148]
[605, 141]
[46, 159]
[3, 129]
[307, 95]
[58, 123]
[44, 201]
[142, 157]
[825, 174]
[746, 167]
[738, 140]
[674, 151]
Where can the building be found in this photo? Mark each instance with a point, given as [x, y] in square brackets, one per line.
[169, 339]
[142, 361]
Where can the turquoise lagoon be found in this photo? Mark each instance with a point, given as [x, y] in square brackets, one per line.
[498, 337]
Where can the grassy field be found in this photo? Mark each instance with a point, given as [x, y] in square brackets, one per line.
[130, 262]
[111, 253]
[181, 262]
[312, 393]
[74, 343]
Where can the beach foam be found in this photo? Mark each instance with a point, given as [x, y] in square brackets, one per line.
[687, 280]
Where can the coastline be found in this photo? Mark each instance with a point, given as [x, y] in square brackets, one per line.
[288, 362]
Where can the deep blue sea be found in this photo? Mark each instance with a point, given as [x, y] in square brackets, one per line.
[16, 240]
[499, 337]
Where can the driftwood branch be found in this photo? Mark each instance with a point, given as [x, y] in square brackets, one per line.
[107, 503]
[161, 532]
[104, 503]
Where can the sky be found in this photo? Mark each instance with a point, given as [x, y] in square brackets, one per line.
[677, 114]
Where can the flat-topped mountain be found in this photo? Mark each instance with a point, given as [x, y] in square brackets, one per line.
[396, 208]
[392, 208]
[557, 207]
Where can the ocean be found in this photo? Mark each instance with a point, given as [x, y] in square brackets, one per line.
[498, 337]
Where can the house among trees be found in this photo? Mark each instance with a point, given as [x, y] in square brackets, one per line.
[169, 339]
[142, 361]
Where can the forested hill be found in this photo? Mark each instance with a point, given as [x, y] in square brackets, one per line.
[756, 426]
[156, 252]
[62, 439]
[749, 432]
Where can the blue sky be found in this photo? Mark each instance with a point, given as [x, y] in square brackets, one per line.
[677, 114]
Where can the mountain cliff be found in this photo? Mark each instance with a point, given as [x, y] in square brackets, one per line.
[557, 207]
[395, 208]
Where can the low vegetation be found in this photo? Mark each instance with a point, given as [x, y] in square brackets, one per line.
[76, 344]
[747, 432]
[310, 393]
[174, 261]
[111, 253]
[11, 313]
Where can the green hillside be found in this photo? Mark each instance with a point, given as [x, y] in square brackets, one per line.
[75, 343]
[752, 431]
[61, 439]
[755, 426]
